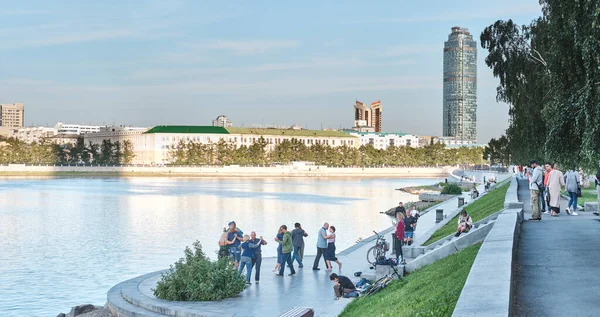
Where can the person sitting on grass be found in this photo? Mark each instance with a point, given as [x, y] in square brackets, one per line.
[343, 285]
[465, 222]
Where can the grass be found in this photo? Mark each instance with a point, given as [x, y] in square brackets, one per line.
[430, 291]
[587, 195]
[489, 204]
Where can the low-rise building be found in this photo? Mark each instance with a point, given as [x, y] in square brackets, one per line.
[382, 140]
[222, 121]
[153, 146]
[32, 134]
[77, 129]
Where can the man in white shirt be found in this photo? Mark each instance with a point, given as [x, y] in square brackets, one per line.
[535, 183]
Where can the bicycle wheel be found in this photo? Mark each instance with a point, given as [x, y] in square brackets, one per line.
[373, 254]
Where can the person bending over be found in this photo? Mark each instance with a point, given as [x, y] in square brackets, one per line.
[343, 285]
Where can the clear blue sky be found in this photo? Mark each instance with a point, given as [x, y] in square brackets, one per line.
[146, 63]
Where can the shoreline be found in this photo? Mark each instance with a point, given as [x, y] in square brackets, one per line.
[225, 171]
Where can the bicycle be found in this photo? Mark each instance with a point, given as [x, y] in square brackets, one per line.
[378, 250]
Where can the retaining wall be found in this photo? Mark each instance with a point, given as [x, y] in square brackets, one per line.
[489, 288]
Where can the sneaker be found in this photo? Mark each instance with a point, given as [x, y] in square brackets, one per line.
[316, 268]
[255, 282]
[300, 266]
[596, 213]
[568, 211]
[547, 212]
[403, 262]
[279, 274]
[575, 213]
[291, 274]
[457, 234]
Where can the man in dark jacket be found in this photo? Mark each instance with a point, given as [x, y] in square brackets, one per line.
[298, 235]
[400, 209]
[343, 285]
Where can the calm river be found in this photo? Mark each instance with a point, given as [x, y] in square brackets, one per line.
[66, 241]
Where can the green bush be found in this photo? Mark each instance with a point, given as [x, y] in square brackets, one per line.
[452, 189]
[196, 278]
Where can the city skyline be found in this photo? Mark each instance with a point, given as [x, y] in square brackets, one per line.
[188, 62]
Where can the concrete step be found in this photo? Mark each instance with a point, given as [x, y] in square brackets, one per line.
[118, 306]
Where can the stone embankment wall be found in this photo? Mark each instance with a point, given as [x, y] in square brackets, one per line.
[235, 171]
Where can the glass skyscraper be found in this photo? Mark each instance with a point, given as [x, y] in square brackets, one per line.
[460, 85]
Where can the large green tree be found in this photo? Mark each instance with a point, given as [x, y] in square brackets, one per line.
[549, 75]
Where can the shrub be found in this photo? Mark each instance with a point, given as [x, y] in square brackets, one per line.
[196, 278]
[452, 189]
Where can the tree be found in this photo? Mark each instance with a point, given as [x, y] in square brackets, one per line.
[115, 157]
[549, 75]
[93, 152]
[127, 155]
[106, 150]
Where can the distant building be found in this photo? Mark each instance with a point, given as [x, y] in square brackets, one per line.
[153, 146]
[368, 118]
[77, 129]
[460, 86]
[12, 115]
[222, 121]
[32, 134]
[382, 140]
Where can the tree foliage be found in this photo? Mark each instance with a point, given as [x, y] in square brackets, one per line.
[550, 77]
[223, 153]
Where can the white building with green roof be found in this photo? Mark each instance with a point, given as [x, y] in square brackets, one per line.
[153, 146]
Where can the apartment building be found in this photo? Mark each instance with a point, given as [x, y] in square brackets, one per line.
[12, 115]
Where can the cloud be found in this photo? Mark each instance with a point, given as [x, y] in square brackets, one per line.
[248, 47]
[476, 14]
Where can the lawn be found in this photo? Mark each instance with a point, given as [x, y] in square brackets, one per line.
[587, 195]
[430, 291]
[481, 208]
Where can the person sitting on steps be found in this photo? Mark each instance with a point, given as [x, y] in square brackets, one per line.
[465, 223]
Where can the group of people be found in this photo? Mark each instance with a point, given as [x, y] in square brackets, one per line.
[405, 228]
[246, 253]
[545, 185]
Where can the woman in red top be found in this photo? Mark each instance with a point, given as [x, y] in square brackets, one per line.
[399, 238]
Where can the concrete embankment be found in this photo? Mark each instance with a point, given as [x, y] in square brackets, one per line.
[224, 171]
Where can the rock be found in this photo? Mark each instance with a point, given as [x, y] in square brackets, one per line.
[61, 315]
[82, 309]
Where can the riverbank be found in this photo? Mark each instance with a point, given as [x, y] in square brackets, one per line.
[223, 171]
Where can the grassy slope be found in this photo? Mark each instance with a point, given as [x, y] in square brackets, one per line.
[430, 291]
[483, 207]
[588, 195]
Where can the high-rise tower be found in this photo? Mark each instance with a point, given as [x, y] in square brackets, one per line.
[460, 85]
[368, 118]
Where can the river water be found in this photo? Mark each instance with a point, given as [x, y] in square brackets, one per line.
[66, 241]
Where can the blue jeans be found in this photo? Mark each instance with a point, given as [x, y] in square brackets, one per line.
[573, 200]
[543, 200]
[297, 257]
[246, 262]
[287, 258]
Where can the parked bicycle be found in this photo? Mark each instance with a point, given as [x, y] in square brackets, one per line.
[377, 251]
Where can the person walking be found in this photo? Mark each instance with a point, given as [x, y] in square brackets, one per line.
[542, 189]
[279, 237]
[298, 235]
[536, 181]
[399, 238]
[256, 244]
[555, 182]
[330, 252]
[321, 246]
[409, 229]
[287, 248]
[572, 184]
[246, 258]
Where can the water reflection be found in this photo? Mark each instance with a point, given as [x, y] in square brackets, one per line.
[67, 241]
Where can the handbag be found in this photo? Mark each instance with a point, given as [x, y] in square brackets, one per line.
[578, 191]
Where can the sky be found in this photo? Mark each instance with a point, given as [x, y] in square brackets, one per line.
[147, 63]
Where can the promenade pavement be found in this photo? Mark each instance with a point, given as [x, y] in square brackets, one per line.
[276, 295]
[557, 263]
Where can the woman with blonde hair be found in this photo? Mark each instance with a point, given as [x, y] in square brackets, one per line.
[246, 258]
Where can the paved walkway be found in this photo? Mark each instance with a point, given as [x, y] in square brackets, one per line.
[275, 295]
[557, 264]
